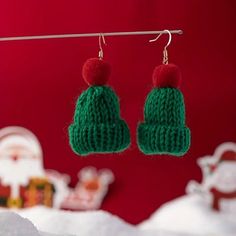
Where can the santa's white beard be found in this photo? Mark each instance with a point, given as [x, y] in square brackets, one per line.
[16, 173]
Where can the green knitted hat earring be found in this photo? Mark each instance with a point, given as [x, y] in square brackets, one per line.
[163, 130]
[97, 126]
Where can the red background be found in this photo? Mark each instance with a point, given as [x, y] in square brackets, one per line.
[40, 81]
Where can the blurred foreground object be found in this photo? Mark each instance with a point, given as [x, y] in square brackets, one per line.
[25, 183]
[90, 190]
[22, 177]
[218, 185]
[42, 221]
[209, 208]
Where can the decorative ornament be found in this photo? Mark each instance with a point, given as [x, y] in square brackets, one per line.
[97, 126]
[24, 182]
[163, 130]
[90, 190]
[219, 179]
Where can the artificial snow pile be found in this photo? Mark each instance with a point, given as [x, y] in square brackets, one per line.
[187, 216]
[52, 222]
[190, 214]
[78, 223]
[64, 223]
[12, 224]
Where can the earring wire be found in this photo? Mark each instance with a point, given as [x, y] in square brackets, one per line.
[165, 53]
[101, 40]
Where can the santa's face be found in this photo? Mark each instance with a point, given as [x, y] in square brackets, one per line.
[16, 152]
[224, 177]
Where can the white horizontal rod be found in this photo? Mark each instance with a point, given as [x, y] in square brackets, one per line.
[60, 36]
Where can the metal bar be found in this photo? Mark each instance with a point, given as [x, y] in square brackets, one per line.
[61, 36]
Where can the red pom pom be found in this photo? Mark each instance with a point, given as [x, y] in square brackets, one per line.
[96, 71]
[166, 76]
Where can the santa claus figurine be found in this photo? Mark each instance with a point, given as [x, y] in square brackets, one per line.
[20, 162]
[223, 180]
[219, 178]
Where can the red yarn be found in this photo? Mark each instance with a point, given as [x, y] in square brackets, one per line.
[96, 71]
[166, 76]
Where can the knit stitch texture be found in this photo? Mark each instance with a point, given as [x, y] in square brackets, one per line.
[97, 126]
[163, 130]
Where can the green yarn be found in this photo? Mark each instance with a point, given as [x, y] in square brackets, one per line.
[97, 126]
[163, 130]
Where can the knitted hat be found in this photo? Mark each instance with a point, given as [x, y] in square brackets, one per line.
[163, 130]
[97, 126]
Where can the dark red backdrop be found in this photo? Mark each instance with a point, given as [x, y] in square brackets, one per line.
[40, 82]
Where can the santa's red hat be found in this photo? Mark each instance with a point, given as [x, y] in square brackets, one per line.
[228, 155]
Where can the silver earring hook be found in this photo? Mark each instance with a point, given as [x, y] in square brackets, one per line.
[101, 40]
[165, 53]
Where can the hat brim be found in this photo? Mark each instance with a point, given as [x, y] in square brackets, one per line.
[99, 138]
[159, 139]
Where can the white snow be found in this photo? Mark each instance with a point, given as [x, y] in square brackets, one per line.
[12, 224]
[78, 223]
[52, 222]
[64, 223]
[191, 215]
[186, 216]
